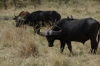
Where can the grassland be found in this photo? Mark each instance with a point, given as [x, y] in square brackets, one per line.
[20, 47]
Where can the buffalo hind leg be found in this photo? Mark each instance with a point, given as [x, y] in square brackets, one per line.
[94, 46]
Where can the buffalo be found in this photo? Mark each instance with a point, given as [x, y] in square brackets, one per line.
[37, 18]
[79, 30]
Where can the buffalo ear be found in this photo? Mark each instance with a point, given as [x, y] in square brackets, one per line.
[52, 33]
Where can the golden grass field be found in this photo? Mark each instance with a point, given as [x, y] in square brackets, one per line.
[21, 47]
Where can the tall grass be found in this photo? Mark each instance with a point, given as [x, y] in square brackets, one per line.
[20, 47]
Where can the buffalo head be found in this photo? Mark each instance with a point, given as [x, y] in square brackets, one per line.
[50, 35]
[21, 18]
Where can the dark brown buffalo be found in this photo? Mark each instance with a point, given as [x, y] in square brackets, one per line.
[37, 18]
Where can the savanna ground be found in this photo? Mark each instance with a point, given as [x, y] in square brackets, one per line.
[20, 47]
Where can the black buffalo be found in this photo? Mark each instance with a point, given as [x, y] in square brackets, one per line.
[67, 30]
[37, 18]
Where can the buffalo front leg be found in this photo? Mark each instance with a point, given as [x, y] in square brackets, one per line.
[62, 46]
[36, 28]
[69, 46]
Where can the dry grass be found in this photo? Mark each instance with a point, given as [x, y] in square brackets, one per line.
[20, 47]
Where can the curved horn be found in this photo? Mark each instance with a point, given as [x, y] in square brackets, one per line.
[51, 32]
[41, 33]
[48, 33]
[21, 19]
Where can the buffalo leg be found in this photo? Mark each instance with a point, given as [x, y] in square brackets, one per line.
[62, 46]
[94, 46]
[69, 46]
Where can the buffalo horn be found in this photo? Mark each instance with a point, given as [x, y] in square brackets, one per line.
[48, 33]
[40, 33]
[55, 32]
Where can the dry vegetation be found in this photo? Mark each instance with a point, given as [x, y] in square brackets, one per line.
[20, 47]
